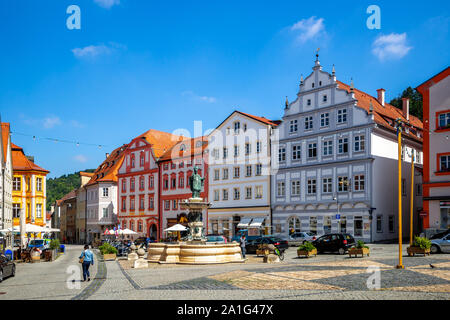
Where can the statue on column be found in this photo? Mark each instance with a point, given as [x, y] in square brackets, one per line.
[196, 183]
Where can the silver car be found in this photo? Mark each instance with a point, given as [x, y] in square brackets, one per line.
[441, 244]
[298, 238]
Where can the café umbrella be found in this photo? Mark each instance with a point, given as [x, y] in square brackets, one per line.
[176, 228]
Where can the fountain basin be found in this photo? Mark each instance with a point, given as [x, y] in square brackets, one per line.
[194, 253]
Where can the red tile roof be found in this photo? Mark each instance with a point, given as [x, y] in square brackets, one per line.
[67, 196]
[261, 119]
[191, 148]
[161, 141]
[5, 138]
[107, 170]
[383, 115]
[22, 163]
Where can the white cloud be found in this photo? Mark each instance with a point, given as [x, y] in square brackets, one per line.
[199, 98]
[107, 3]
[80, 158]
[391, 46]
[309, 28]
[91, 51]
[50, 122]
[94, 51]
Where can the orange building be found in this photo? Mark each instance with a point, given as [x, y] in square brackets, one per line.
[29, 188]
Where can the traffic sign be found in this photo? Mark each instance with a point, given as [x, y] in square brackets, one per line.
[338, 216]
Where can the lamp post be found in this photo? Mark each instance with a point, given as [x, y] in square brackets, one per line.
[400, 234]
[412, 200]
[335, 198]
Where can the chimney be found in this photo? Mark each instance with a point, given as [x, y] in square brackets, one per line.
[107, 155]
[381, 96]
[406, 108]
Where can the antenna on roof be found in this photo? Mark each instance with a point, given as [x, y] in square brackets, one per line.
[352, 86]
[333, 71]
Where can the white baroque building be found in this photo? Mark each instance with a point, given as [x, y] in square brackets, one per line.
[239, 157]
[6, 178]
[336, 162]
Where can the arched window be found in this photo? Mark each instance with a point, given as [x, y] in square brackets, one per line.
[132, 225]
[132, 160]
[141, 183]
[294, 225]
[142, 159]
[139, 226]
[182, 147]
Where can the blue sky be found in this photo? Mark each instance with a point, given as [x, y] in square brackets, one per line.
[136, 65]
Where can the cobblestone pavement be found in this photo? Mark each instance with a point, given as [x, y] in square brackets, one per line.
[49, 280]
[328, 276]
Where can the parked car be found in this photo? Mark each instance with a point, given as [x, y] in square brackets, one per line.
[7, 268]
[252, 245]
[440, 235]
[441, 244]
[216, 238]
[42, 244]
[298, 238]
[334, 242]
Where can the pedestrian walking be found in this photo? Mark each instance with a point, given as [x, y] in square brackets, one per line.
[86, 259]
[243, 242]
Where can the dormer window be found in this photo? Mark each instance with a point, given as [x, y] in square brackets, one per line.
[320, 83]
[313, 84]
[237, 126]
[245, 127]
[182, 147]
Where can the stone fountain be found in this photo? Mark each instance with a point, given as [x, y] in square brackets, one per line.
[195, 250]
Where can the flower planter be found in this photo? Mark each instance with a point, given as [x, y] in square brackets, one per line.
[262, 252]
[50, 255]
[356, 251]
[412, 251]
[306, 254]
[109, 257]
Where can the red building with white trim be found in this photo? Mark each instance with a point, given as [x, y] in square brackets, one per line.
[176, 166]
[436, 149]
[139, 180]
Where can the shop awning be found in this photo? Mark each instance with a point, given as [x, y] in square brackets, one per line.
[244, 222]
[257, 222]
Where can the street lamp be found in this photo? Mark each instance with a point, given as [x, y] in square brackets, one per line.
[400, 233]
[335, 198]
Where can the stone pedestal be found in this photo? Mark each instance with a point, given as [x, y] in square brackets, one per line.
[141, 262]
[132, 255]
[271, 258]
[195, 207]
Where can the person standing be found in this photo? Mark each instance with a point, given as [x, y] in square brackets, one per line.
[88, 259]
[243, 244]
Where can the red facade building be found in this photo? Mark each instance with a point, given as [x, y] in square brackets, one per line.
[176, 166]
[139, 181]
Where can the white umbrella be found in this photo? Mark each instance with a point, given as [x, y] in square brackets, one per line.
[124, 231]
[177, 227]
[30, 228]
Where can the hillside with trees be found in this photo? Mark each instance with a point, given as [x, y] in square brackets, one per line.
[415, 102]
[58, 187]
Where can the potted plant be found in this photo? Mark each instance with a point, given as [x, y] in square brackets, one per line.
[306, 250]
[52, 253]
[359, 248]
[420, 245]
[108, 251]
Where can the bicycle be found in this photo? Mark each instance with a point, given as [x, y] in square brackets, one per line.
[279, 253]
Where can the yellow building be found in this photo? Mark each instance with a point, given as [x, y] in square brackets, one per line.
[29, 189]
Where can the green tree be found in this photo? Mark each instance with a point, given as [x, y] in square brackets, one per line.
[58, 187]
[415, 102]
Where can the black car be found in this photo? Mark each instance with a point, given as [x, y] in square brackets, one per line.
[440, 235]
[252, 245]
[334, 242]
[7, 268]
